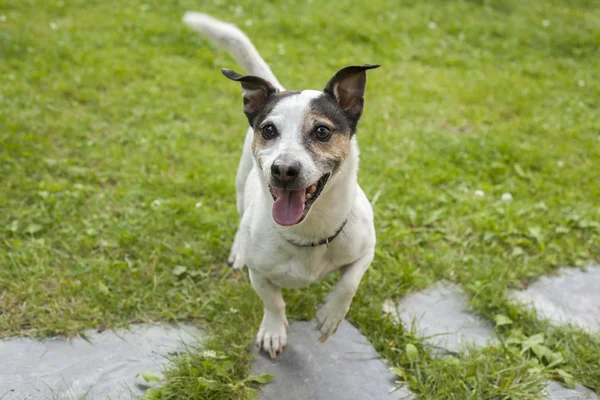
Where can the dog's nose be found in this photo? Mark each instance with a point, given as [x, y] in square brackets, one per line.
[285, 171]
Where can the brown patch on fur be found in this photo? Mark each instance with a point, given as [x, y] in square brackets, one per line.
[332, 152]
[317, 119]
[258, 142]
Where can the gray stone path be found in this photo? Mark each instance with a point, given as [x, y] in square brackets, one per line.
[572, 296]
[441, 314]
[556, 391]
[103, 365]
[345, 367]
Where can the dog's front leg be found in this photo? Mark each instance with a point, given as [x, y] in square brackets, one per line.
[272, 335]
[337, 303]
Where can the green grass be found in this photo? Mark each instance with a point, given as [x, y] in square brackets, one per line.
[119, 141]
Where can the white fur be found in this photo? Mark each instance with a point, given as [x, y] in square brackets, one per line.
[288, 116]
[235, 41]
[264, 246]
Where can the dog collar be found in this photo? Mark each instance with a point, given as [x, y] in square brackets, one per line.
[321, 242]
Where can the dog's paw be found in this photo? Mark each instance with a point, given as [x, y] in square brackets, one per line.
[235, 260]
[272, 335]
[329, 317]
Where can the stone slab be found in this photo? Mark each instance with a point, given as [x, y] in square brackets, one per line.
[102, 366]
[555, 391]
[345, 367]
[572, 296]
[441, 315]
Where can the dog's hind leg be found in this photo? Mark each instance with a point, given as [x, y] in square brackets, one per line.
[235, 259]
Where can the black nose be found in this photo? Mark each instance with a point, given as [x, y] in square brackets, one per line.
[285, 171]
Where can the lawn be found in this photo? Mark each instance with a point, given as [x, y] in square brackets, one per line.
[119, 142]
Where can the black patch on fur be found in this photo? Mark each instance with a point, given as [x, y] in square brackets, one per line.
[348, 87]
[328, 107]
[270, 104]
[255, 90]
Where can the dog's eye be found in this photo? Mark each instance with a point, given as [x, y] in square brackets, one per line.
[322, 133]
[268, 131]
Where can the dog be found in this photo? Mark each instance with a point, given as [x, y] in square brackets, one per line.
[302, 213]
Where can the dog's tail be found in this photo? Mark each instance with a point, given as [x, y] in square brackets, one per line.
[235, 41]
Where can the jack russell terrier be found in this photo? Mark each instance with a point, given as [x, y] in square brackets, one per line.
[303, 214]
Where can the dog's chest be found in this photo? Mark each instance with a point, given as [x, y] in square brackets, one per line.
[300, 267]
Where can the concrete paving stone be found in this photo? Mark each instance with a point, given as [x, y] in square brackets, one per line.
[555, 391]
[103, 365]
[572, 296]
[345, 367]
[442, 316]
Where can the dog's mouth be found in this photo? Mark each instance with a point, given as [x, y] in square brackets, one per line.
[290, 206]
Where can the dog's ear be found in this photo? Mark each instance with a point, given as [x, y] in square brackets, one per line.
[255, 91]
[348, 88]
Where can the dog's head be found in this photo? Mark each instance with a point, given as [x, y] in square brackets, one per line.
[301, 138]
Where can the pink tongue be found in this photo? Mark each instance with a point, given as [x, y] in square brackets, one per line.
[289, 206]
